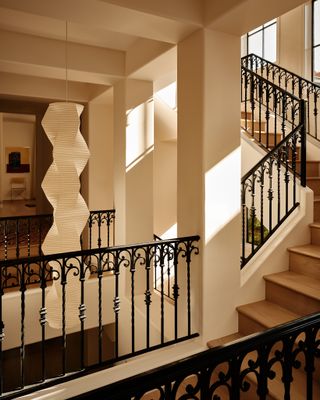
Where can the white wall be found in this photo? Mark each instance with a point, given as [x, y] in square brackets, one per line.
[165, 168]
[291, 53]
[18, 131]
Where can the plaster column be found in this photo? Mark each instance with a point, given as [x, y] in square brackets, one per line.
[209, 174]
[133, 187]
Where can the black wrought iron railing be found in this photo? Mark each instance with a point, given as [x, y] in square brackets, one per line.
[164, 273]
[22, 236]
[270, 113]
[99, 308]
[291, 83]
[269, 192]
[257, 366]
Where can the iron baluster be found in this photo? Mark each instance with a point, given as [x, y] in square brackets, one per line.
[63, 319]
[132, 271]
[22, 322]
[5, 240]
[303, 151]
[244, 220]
[43, 319]
[28, 238]
[90, 230]
[161, 260]
[278, 165]
[116, 303]
[315, 113]
[82, 311]
[100, 335]
[1, 331]
[147, 295]
[175, 291]
[286, 175]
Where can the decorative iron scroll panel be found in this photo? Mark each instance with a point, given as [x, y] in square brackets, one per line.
[269, 191]
[292, 84]
[247, 368]
[23, 236]
[112, 299]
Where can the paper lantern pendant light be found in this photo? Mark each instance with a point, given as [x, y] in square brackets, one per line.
[61, 185]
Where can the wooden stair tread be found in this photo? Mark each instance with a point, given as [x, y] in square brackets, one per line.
[315, 225]
[267, 313]
[313, 178]
[223, 340]
[316, 199]
[309, 250]
[299, 283]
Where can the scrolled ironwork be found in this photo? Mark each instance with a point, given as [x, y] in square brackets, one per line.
[252, 364]
[134, 261]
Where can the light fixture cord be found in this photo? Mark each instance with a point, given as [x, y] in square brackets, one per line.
[66, 61]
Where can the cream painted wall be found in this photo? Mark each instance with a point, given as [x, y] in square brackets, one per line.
[18, 131]
[209, 172]
[291, 52]
[165, 167]
[100, 167]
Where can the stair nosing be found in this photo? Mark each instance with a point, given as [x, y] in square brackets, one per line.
[262, 322]
[289, 286]
[299, 250]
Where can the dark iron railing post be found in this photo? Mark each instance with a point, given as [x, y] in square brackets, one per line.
[1, 331]
[303, 151]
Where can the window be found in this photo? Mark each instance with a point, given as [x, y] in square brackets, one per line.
[316, 41]
[262, 41]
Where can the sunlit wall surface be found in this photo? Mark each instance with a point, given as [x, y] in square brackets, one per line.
[139, 133]
[316, 41]
[262, 41]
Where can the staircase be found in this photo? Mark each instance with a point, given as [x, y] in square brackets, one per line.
[290, 294]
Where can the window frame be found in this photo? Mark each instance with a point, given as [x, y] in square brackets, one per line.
[313, 44]
[262, 29]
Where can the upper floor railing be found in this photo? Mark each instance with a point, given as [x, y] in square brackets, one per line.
[22, 236]
[98, 308]
[269, 192]
[254, 367]
[293, 84]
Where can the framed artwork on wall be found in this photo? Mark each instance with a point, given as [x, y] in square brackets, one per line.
[17, 159]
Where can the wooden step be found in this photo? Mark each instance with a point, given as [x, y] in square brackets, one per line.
[224, 340]
[273, 138]
[312, 168]
[248, 124]
[246, 115]
[261, 315]
[314, 184]
[296, 292]
[305, 260]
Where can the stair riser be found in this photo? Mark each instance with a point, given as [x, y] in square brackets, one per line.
[316, 213]
[315, 234]
[293, 301]
[312, 169]
[271, 141]
[248, 325]
[314, 185]
[304, 265]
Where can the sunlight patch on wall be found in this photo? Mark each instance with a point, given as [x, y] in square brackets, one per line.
[139, 133]
[170, 233]
[168, 95]
[222, 194]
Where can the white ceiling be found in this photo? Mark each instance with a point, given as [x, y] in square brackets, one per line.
[107, 40]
